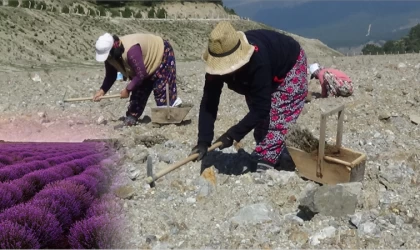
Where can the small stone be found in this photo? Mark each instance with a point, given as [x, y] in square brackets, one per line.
[327, 232]
[368, 228]
[369, 89]
[384, 116]
[151, 239]
[356, 219]
[165, 158]
[401, 65]
[125, 192]
[291, 199]
[253, 214]
[298, 236]
[42, 114]
[207, 183]
[191, 200]
[101, 120]
[415, 119]
[281, 177]
[35, 77]
[140, 156]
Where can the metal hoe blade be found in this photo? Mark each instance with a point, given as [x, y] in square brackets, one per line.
[150, 170]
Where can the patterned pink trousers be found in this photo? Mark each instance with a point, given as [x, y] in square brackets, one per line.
[286, 105]
[336, 86]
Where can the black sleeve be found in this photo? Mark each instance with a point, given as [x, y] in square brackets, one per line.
[110, 77]
[260, 98]
[208, 108]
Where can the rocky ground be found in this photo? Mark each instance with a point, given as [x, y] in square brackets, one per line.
[250, 210]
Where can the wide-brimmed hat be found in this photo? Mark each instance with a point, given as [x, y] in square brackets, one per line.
[103, 46]
[312, 68]
[227, 51]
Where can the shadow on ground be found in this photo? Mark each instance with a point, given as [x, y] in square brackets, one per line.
[229, 163]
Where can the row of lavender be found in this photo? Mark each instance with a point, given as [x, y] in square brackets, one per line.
[11, 154]
[55, 202]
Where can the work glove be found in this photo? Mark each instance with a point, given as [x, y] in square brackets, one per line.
[201, 148]
[226, 141]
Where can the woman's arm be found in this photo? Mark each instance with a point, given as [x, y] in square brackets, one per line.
[135, 60]
[110, 77]
[208, 108]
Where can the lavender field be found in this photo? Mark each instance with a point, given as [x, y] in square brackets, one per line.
[53, 195]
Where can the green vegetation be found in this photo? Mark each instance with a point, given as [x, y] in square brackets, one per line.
[146, 3]
[409, 43]
[123, 8]
[229, 10]
[13, 3]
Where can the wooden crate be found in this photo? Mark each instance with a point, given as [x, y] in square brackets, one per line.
[334, 164]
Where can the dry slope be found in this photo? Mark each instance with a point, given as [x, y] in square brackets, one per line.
[35, 38]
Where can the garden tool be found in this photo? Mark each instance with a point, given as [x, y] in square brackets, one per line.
[151, 178]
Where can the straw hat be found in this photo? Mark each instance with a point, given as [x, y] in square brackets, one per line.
[228, 50]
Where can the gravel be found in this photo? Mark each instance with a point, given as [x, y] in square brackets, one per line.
[242, 210]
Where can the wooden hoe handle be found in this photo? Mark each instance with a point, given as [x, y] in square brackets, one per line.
[90, 98]
[192, 157]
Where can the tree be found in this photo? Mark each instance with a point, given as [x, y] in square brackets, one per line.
[372, 49]
[151, 13]
[161, 13]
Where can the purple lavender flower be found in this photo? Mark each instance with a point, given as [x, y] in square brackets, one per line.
[63, 170]
[102, 206]
[94, 232]
[74, 189]
[64, 204]
[100, 174]
[5, 160]
[16, 171]
[44, 225]
[88, 182]
[40, 178]
[15, 236]
[10, 195]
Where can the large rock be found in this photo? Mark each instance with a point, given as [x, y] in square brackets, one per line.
[331, 200]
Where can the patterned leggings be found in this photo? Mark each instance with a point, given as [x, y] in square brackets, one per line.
[166, 73]
[286, 105]
[336, 86]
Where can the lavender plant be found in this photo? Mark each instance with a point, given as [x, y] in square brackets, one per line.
[94, 232]
[10, 195]
[15, 236]
[43, 224]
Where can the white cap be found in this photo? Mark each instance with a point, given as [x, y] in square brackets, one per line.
[313, 67]
[103, 47]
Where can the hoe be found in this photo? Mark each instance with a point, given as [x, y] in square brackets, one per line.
[159, 115]
[326, 165]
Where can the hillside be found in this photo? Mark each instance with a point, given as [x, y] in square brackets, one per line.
[35, 38]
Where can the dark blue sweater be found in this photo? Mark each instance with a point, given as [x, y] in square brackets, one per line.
[275, 57]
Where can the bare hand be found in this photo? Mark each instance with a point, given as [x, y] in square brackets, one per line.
[98, 95]
[124, 93]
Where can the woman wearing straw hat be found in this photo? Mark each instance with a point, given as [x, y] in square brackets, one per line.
[147, 60]
[270, 70]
